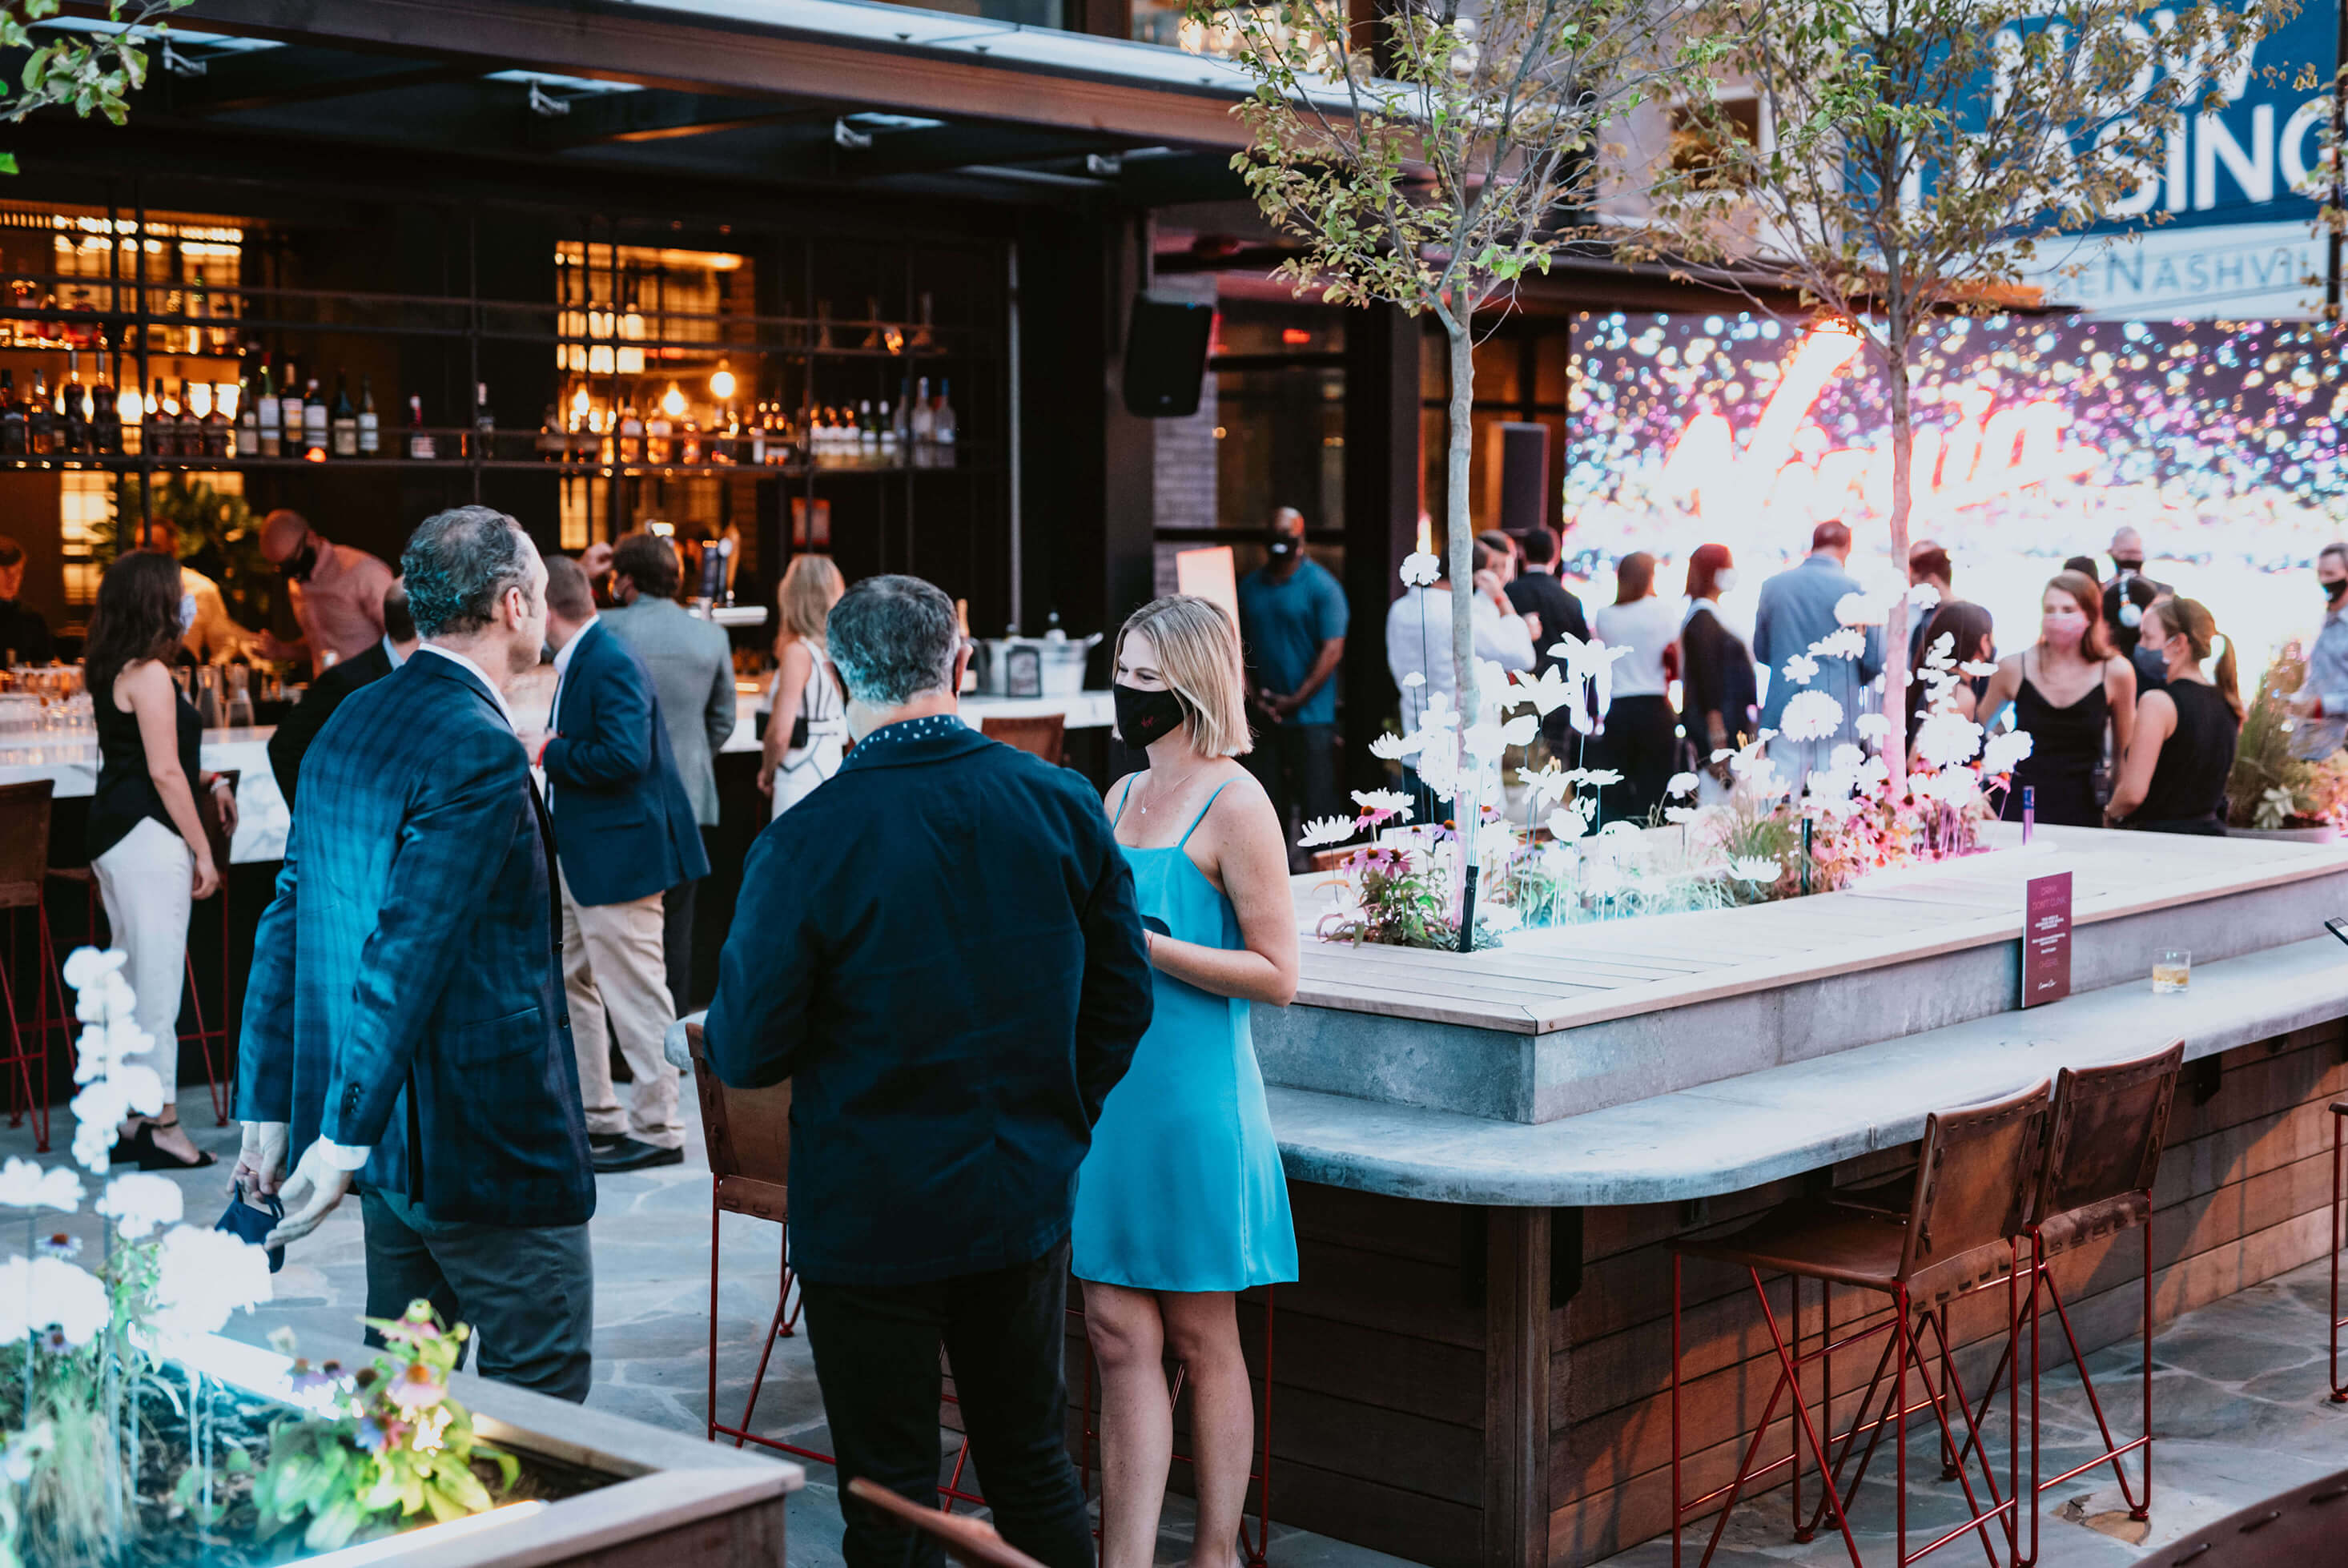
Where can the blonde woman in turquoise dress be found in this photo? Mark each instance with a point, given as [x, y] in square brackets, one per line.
[1182, 1203]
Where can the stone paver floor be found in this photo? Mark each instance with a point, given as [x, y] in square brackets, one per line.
[2239, 1390]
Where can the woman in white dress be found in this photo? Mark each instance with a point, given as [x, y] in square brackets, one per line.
[806, 719]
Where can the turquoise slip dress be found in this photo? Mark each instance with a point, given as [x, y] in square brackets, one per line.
[1183, 1189]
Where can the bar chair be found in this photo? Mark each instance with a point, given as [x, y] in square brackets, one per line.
[24, 865]
[1252, 1550]
[2104, 1138]
[1976, 1177]
[1044, 734]
[748, 1134]
[2339, 1122]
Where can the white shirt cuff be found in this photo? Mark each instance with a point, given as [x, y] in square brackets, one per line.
[344, 1156]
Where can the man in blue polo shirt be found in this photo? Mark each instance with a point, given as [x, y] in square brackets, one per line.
[1292, 625]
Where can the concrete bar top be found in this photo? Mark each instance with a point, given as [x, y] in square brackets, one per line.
[1758, 1127]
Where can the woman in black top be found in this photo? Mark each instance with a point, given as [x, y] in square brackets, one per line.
[1972, 640]
[2174, 781]
[1717, 692]
[2066, 690]
[146, 842]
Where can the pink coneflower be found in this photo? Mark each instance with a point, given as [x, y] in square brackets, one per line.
[417, 1387]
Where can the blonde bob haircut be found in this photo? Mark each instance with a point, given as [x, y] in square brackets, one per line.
[811, 585]
[1199, 655]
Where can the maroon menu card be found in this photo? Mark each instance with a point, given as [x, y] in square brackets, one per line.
[2046, 940]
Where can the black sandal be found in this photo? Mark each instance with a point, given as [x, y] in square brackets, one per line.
[152, 1156]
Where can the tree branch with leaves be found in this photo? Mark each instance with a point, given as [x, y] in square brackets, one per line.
[90, 72]
[1917, 161]
[1435, 158]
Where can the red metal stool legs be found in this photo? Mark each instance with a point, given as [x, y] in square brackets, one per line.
[26, 1062]
[2339, 1123]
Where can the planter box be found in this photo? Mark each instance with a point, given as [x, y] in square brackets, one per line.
[675, 1503]
[1577, 1018]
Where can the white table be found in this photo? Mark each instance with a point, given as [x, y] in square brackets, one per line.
[71, 767]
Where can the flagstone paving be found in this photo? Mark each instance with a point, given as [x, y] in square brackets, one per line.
[2239, 1387]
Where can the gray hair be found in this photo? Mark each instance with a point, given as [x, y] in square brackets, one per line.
[459, 565]
[892, 638]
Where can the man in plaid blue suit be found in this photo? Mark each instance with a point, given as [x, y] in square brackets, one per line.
[405, 1025]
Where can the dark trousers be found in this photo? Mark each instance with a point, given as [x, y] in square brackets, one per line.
[677, 943]
[1640, 741]
[876, 1358]
[528, 1293]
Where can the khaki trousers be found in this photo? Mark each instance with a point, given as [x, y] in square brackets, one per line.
[612, 960]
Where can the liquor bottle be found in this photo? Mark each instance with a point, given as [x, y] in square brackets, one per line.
[268, 417]
[923, 424]
[248, 410]
[485, 423]
[553, 442]
[132, 405]
[631, 434]
[420, 444]
[754, 437]
[370, 424]
[219, 435]
[316, 429]
[343, 419]
[191, 424]
[11, 418]
[688, 441]
[73, 409]
[942, 426]
[289, 413]
[40, 420]
[105, 413]
[657, 434]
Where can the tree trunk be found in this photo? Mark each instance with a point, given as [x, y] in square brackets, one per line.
[1895, 625]
[1460, 548]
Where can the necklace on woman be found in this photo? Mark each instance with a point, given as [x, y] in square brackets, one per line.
[1182, 783]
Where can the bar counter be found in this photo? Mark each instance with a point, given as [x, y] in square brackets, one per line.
[1489, 1154]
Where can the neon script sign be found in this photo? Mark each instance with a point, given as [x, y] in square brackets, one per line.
[1987, 454]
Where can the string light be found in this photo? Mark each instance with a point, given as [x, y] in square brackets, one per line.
[673, 402]
[721, 384]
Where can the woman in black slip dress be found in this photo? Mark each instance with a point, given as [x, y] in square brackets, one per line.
[2174, 779]
[2066, 691]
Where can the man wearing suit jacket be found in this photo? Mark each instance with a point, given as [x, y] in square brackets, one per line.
[626, 835]
[403, 1025]
[939, 948]
[298, 728]
[692, 669]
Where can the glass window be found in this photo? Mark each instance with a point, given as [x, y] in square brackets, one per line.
[1280, 442]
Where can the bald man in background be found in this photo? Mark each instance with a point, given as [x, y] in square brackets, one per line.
[337, 592]
[2122, 609]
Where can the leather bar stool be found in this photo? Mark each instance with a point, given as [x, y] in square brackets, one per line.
[24, 867]
[1976, 1177]
[1044, 734]
[748, 1134]
[2339, 1123]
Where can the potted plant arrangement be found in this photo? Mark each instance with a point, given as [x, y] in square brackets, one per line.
[131, 1433]
[2271, 794]
[1560, 864]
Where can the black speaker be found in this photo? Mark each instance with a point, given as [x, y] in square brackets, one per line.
[1524, 477]
[1166, 357]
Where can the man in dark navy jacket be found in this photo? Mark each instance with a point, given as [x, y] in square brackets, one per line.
[940, 947]
[625, 829]
[403, 1025]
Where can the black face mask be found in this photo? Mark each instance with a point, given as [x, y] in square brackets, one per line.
[2333, 590]
[297, 568]
[1143, 717]
[1281, 547]
[2126, 568]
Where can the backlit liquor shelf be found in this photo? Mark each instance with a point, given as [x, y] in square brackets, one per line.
[135, 461]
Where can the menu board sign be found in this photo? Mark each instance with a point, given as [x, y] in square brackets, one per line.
[2046, 940]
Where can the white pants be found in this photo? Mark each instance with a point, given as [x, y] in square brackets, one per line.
[795, 781]
[612, 959]
[149, 883]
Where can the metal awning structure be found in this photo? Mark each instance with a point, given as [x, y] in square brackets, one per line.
[804, 90]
